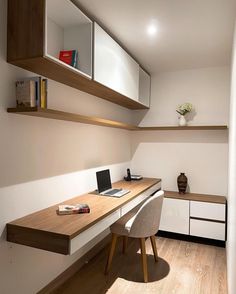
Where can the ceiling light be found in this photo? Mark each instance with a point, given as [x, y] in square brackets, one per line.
[152, 30]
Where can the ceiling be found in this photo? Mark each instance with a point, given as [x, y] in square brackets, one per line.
[190, 33]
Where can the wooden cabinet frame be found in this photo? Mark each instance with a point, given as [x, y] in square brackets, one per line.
[26, 49]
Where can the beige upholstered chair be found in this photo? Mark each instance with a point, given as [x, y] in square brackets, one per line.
[141, 222]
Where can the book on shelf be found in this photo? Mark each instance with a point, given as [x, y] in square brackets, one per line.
[25, 93]
[70, 57]
[44, 91]
[73, 209]
[31, 92]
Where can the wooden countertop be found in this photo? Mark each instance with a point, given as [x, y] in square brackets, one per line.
[196, 197]
[46, 224]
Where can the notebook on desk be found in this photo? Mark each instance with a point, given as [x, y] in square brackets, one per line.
[105, 187]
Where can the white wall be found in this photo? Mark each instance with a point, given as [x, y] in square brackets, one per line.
[206, 88]
[46, 161]
[231, 242]
[202, 155]
[41, 267]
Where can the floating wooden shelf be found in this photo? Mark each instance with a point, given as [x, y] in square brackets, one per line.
[178, 128]
[61, 115]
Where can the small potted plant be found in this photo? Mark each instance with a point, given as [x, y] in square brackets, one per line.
[183, 109]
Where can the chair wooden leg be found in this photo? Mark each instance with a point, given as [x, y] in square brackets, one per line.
[125, 242]
[154, 247]
[111, 252]
[144, 259]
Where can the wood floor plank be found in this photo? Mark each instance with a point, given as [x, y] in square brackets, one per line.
[182, 268]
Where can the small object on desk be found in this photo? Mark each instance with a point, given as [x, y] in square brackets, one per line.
[130, 177]
[136, 177]
[73, 209]
[115, 193]
[182, 182]
[105, 187]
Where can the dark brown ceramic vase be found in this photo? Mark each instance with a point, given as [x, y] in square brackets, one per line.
[182, 182]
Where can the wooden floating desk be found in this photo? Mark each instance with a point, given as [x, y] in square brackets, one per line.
[66, 234]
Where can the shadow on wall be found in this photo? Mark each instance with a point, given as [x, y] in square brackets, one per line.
[35, 148]
[3, 235]
[178, 136]
[190, 116]
[138, 116]
[202, 155]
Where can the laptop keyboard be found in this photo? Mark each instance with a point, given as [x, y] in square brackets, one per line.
[113, 191]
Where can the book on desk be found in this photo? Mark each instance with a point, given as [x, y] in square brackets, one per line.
[73, 209]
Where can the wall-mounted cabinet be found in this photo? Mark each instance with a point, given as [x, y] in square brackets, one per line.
[113, 67]
[67, 28]
[38, 30]
[144, 87]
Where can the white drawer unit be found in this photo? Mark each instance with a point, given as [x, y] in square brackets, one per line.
[207, 220]
[126, 208]
[205, 210]
[194, 214]
[207, 229]
[175, 216]
[87, 235]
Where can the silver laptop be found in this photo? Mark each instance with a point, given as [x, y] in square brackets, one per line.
[105, 187]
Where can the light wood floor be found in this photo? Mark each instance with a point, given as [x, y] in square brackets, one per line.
[183, 268]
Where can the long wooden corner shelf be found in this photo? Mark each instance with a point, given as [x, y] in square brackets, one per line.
[185, 128]
[61, 115]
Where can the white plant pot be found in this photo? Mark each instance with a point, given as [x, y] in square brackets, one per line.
[182, 121]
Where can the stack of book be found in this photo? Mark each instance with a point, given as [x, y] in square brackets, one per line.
[73, 209]
[31, 92]
[70, 57]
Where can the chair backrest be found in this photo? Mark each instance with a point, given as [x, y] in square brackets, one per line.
[146, 221]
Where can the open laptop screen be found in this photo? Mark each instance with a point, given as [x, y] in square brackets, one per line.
[103, 180]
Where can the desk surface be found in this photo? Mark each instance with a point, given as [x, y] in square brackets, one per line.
[45, 224]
